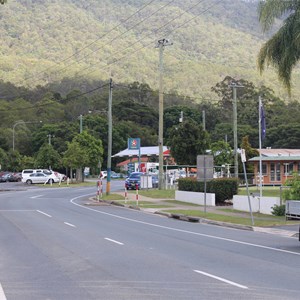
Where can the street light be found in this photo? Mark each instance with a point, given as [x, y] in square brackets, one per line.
[18, 123]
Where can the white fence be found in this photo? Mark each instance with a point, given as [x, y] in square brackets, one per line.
[263, 205]
[195, 198]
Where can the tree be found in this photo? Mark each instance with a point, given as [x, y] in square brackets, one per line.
[250, 152]
[3, 1]
[3, 159]
[186, 141]
[48, 157]
[282, 50]
[222, 153]
[75, 157]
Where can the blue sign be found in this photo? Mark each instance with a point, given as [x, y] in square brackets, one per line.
[134, 143]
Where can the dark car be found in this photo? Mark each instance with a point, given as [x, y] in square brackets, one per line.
[4, 176]
[133, 180]
[14, 177]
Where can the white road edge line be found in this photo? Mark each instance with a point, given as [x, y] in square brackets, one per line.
[69, 224]
[119, 243]
[37, 196]
[2, 295]
[43, 213]
[184, 231]
[222, 279]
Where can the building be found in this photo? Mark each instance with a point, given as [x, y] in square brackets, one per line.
[278, 165]
[148, 158]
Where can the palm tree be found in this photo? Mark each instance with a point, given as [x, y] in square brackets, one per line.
[282, 50]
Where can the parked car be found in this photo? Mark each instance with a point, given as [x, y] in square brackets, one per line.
[38, 178]
[115, 175]
[4, 176]
[103, 174]
[15, 177]
[133, 179]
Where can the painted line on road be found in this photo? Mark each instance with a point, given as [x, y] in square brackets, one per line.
[16, 210]
[37, 196]
[114, 241]
[222, 279]
[69, 224]
[184, 231]
[41, 212]
[2, 295]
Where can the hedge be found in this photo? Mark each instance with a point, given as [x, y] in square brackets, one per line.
[223, 188]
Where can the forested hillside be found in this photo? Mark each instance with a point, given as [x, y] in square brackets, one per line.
[43, 42]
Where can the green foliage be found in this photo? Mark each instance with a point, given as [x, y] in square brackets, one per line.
[187, 141]
[91, 146]
[75, 157]
[222, 153]
[3, 160]
[48, 157]
[223, 188]
[282, 49]
[293, 193]
[278, 210]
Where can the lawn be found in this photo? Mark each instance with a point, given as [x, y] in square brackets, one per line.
[267, 191]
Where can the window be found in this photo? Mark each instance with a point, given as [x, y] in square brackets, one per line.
[288, 168]
[275, 172]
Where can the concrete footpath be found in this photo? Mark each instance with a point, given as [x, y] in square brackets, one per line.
[162, 206]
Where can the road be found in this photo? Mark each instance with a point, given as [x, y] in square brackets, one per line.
[54, 246]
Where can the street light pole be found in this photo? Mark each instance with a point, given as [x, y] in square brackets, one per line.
[161, 44]
[109, 115]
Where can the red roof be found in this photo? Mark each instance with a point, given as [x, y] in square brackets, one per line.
[134, 159]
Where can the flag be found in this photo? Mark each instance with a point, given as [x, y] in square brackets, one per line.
[262, 122]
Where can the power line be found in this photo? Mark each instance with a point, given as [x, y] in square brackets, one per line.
[90, 44]
[48, 104]
[152, 42]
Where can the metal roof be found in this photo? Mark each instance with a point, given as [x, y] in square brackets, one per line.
[276, 158]
[145, 151]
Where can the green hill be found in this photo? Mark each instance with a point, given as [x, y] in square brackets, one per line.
[44, 41]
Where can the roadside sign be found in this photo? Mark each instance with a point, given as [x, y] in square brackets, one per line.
[134, 143]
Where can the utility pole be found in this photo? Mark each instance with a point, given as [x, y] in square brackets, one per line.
[49, 138]
[80, 127]
[161, 45]
[234, 86]
[109, 116]
[203, 120]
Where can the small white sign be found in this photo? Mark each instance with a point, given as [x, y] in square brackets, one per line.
[243, 155]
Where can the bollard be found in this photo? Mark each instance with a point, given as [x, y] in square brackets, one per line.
[101, 189]
[98, 190]
[137, 193]
[126, 197]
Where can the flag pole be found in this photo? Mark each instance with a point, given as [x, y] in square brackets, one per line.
[260, 156]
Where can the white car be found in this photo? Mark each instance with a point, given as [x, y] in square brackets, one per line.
[38, 178]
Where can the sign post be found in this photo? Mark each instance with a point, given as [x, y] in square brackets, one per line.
[135, 144]
[243, 158]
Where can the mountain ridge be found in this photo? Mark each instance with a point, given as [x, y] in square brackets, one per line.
[45, 41]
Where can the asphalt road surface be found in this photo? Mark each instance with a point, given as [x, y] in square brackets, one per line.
[54, 246]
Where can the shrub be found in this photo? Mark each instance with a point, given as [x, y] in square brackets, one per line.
[223, 188]
[278, 210]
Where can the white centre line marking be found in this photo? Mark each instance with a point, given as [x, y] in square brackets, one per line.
[44, 213]
[69, 224]
[2, 295]
[222, 279]
[119, 243]
[37, 196]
